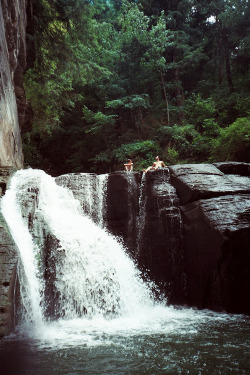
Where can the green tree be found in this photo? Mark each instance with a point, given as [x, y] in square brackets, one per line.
[233, 142]
[116, 79]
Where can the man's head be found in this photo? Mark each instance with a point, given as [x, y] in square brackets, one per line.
[157, 158]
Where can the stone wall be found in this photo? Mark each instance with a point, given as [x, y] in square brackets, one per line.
[15, 111]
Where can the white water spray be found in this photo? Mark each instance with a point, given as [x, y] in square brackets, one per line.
[89, 189]
[140, 222]
[94, 276]
[30, 286]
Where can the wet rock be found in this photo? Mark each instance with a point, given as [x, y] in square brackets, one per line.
[211, 227]
[142, 209]
[5, 174]
[8, 262]
[160, 240]
[230, 282]
[192, 256]
[234, 167]
[182, 246]
[122, 206]
[203, 181]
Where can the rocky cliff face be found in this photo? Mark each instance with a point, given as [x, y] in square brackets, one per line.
[15, 111]
[216, 215]
[144, 211]
[187, 228]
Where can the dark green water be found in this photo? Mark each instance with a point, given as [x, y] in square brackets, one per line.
[168, 341]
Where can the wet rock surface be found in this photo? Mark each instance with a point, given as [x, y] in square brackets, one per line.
[188, 241]
[161, 250]
[143, 210]
[122, 207]
[234, 167]
[216, 215]
[210, 227]
[203, 181]
[8, 261]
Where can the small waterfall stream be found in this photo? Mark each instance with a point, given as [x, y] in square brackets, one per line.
[31, 286]
[140, 222]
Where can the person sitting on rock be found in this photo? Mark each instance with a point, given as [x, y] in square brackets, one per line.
[129, 166]
[158, 164]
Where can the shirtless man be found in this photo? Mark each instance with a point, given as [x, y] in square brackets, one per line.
[129, 166]
[156, 165]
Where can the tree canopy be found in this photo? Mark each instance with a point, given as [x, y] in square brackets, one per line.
[131, 79]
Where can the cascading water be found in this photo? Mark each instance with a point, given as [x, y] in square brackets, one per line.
[94, 276]
[140, 222]
[89, 189]
[102, 318]
[30, 286]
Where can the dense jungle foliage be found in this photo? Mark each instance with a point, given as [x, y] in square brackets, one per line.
[133, 79]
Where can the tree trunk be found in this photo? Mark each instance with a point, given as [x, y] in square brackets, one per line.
[165, 97]
[228, 71]
[221, 73]
[178, 92]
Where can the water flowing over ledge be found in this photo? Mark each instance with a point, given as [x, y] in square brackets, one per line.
[93, 274]
[81, 293]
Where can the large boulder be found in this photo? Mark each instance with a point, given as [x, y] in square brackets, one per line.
[216, 215]
[122, 207]
[161, 246]
[234, 167]
[202, 181]
[143, 210]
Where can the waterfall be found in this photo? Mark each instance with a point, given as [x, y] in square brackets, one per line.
[30, 286]
[90, 190]
[140, 220]
[93, 276]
